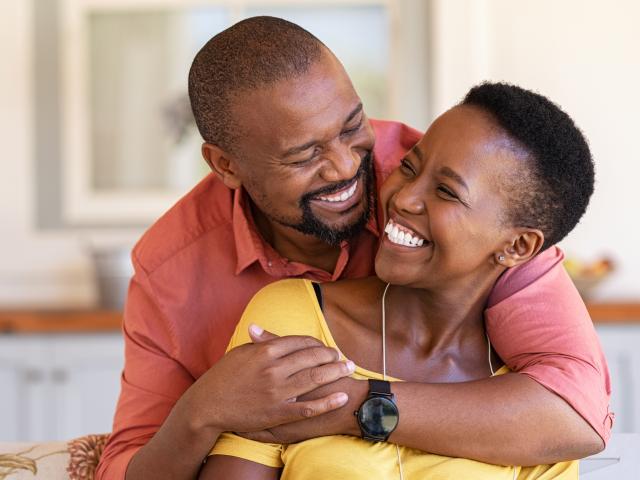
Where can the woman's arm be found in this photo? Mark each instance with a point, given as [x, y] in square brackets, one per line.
[224, 467]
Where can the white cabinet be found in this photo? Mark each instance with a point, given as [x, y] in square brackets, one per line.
[56, 387]
[621, 344]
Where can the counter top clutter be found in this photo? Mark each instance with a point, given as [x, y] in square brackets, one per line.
[108, 321]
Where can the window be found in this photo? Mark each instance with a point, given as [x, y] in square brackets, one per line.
[129, 144]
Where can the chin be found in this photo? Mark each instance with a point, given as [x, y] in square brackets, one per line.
[393, 274]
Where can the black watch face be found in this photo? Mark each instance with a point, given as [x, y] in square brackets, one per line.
[378, 416]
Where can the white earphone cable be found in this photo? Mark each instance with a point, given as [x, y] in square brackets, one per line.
[384, 367]
[384, 363]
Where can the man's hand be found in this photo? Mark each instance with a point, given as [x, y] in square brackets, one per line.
[255, 386]
[337, 422]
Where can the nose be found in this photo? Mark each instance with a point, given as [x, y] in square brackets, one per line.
[341, 163]
[410, 198]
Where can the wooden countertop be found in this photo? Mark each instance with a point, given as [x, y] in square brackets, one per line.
[614, 312]
[96, 321]
[76, 321]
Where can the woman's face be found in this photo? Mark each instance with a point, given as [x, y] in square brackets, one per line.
[450, 196]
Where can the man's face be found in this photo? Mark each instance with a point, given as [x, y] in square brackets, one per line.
[304, 152]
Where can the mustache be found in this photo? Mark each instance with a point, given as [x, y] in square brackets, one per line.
[329, 189]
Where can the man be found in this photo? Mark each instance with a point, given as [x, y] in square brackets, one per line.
[294, 195]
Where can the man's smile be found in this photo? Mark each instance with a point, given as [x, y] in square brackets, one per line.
[341, 200]
[342, 195]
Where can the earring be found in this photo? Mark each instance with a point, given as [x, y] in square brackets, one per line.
[501, 258]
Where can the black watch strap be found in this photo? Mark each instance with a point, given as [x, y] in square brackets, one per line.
[379, 387]
[371, 423]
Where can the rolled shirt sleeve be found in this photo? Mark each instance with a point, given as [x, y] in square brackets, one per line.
[540, 327]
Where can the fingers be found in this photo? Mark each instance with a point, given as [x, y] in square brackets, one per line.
[308, 358]
[313, 408]
[281, 346]
[310, 379]
[258, 334]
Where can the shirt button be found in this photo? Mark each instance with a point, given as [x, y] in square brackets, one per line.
[270, 263]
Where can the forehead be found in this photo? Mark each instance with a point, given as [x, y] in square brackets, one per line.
[311, 106]
[468, 140]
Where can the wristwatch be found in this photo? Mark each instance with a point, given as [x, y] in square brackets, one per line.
[378, 415]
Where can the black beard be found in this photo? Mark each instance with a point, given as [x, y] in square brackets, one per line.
[312, 225]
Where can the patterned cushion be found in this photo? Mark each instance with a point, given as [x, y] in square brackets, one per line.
[74, 460]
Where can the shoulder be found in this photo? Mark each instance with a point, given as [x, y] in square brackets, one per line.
[543, 274]
[205, 208]
[394, 136]
[285, 307]
[393, 140]
[282, 295]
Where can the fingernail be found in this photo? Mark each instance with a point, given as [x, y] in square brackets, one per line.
[351, 367]
[341, 398]
[255, 329]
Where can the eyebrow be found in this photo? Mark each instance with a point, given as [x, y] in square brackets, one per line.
[306, 146]
[446, 171]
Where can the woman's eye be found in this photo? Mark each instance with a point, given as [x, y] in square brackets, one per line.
[406, 166]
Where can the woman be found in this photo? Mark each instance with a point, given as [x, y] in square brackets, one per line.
[494, 181]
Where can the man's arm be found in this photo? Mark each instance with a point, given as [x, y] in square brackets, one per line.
[507, 419]
[555, 408]
[248, 389]
[166, 423]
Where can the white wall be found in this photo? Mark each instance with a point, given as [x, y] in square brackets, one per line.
[584, 55]
[36, 269]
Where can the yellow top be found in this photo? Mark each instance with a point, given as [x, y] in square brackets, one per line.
[290, 307]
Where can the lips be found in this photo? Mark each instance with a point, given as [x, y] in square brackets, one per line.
[341, 196]
[402, 235]
[341, 201]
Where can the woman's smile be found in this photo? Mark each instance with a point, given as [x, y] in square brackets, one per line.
[402, 235]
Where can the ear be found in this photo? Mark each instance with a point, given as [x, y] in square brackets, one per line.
[222, 164]
[524, 246]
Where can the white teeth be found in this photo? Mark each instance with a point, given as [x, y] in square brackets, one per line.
[346, 195]
[402, 237]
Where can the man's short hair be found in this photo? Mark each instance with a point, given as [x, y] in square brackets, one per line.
[552, 192]
[253, 53]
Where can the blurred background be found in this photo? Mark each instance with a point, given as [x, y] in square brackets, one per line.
[98, 140]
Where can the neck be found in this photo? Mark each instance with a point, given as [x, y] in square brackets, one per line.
[296, 246]
[437, 319]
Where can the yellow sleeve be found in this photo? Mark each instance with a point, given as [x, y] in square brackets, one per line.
[269, 454]
[556, 471]
[286, 307]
